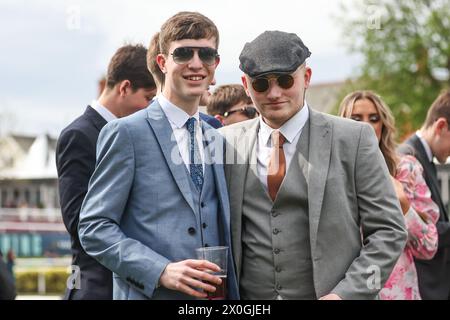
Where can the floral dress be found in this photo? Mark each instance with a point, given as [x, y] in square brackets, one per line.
[420, 222]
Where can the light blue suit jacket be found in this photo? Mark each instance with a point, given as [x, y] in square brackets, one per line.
[139, 207]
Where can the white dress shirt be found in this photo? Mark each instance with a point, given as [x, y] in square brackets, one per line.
[103, 111]
[291, 130]
[177, 119]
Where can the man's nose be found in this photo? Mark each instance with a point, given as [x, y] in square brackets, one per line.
[196, 62]
[274, 91]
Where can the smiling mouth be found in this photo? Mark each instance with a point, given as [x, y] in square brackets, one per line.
[275, 103]
[194, 78]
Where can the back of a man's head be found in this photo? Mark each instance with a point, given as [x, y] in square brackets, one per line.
[152, 53]
[439, 109]
[186, 25]
[129, 63]
[225, 97]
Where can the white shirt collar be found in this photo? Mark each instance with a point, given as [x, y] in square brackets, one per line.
[289, 130]
[103, 111]
[426, 146]
[176, 115]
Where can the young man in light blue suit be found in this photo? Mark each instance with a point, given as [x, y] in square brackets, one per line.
[157, 192]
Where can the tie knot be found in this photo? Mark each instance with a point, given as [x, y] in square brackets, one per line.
[278, 139]
[190, 125]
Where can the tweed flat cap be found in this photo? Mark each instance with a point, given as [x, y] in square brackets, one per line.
[273, 52]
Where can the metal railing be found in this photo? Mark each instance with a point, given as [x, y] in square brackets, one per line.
[52, 215]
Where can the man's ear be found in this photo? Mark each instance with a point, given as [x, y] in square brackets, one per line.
[161, 61]
[124, 87]
[220, 118]
[217, 63]
[245, 84]
[308, 74]
[441, 125]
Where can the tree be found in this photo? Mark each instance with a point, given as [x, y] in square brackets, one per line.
[405, 46]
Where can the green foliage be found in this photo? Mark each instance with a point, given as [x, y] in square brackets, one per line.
[405, 46]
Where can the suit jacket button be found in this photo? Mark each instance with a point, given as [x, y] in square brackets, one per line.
[204, 225]
[191, 231]
[276, 231]
[278, 269]
[276, 251]
[202, 204]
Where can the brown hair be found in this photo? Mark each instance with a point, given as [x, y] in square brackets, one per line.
[387, 142]
[439, 109]
[152, 53]
[129, 63]
[226, 96]
[186, 25]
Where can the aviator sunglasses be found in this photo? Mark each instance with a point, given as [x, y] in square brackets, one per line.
[183, 55]
[284, 81]
[249, 111]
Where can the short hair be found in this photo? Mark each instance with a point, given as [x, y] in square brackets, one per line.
[186, 25]
[387, 141]
[129, 63]
[153, 67]
[440, 108]
[226, 96]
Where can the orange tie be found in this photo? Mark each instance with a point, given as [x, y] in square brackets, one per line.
[277, 164]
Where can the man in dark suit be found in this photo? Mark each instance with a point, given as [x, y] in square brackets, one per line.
[129, 88]
[433, 140]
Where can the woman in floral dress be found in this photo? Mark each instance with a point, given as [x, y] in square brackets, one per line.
[419, 210]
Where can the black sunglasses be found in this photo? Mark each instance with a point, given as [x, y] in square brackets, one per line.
[284, 81]
[183, 55]
[249, 111]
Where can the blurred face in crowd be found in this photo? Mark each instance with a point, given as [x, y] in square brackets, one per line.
[277, 104]
[237, 113]
[134, 100]
[365, 110]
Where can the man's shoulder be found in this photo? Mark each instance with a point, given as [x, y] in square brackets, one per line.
[81, 127]
[132, 121]
[340, 125]
[408, 147]
[238, 128]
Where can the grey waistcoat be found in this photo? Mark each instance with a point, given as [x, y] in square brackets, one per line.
[206, 203]
[276, 252]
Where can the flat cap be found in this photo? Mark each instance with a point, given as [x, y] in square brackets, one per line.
[273, 52]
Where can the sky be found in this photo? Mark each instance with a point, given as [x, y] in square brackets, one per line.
[54, 51]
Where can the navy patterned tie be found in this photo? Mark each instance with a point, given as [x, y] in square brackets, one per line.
[195, 160]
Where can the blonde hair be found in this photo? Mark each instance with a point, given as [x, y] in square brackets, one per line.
[387, 142]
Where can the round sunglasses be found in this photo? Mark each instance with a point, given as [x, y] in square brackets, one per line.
[284, 81]
[183, 55]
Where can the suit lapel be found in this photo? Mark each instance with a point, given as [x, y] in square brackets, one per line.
[429, 174]
[319, 162]
[241, 149]
[213, 144]
[164, 135]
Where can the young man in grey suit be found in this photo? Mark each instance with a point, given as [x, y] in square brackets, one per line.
[433, 140]
[155, 195]
[314, 212]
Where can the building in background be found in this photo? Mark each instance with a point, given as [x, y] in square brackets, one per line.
[30, 217]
